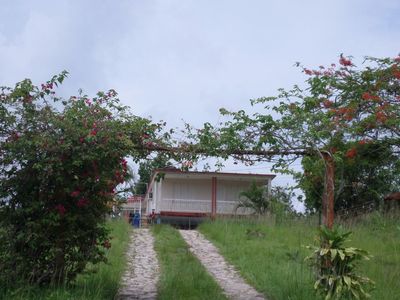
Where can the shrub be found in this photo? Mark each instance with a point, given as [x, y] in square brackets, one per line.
[60, 162]
[336, 266]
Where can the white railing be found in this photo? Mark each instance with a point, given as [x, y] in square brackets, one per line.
[183, 205]
[203, 206]
[229, 208]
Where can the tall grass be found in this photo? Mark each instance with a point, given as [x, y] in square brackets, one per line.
[270, 254]
[380, 235]
[182, 276]
[99, 281]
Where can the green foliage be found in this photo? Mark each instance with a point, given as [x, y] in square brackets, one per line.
[254, 198]
[342, 110]
[98, 282]
[147, 167]
[336, 266]
[368, 177]
[60, 162]
[281, 203]
[277, 203]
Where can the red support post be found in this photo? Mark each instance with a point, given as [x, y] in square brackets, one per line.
[213, 197]
[329, 191]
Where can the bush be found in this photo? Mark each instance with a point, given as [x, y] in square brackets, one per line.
[60, 162]
[336, 265]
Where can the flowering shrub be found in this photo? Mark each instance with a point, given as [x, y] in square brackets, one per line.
[60, 162]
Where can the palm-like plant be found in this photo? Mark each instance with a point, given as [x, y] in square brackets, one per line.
[255, 198]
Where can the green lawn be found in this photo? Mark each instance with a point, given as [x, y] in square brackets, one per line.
[271, 256]
[100, 281]
[182, 276]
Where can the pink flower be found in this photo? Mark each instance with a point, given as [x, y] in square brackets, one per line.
[61, 209]
[308, 72]
[344, 61]
[75, 193]
[82, 202]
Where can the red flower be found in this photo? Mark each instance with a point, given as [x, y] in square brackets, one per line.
[381, 117]
[327, 103]
[366, 96]
[61, 209]
[93, 132]
[81, 140]
[75, 193]
[396, 73]
[82, 202]
[15, 136]
[363, 142]
[344, 61]
[351, 153]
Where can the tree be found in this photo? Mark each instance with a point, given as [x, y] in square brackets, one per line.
[60, 163]
[340, 105]
[147, 167]
[363, 179]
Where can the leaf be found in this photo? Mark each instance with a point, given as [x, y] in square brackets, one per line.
[316, 284]
[323, 251]
[347, 280]
[333, 253]
[341, 254]
[355, 293]
[330, 281]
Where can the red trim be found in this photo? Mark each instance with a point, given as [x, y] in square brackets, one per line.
[182, 214]
[213, 197]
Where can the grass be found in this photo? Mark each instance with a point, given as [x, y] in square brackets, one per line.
[99, 282]
[182, 276]
[271, 256]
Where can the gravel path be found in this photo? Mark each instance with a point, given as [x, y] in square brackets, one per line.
[140, 278]
[226, 276]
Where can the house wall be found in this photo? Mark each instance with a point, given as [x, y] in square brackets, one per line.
[185, 195]
[228, 196]
[194, 195]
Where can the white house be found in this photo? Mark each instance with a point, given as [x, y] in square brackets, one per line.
[175, 193]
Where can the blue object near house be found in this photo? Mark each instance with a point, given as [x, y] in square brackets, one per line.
[136, 220]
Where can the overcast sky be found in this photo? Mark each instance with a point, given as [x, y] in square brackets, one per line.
[185, 59]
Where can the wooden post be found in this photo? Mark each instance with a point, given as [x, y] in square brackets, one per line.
[213, 197]
[328, 197]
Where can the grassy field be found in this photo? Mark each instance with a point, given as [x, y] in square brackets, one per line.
[271, 256]
[100, 281]
[182, 275]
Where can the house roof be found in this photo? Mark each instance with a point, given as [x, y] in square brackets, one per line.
[211, 174]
